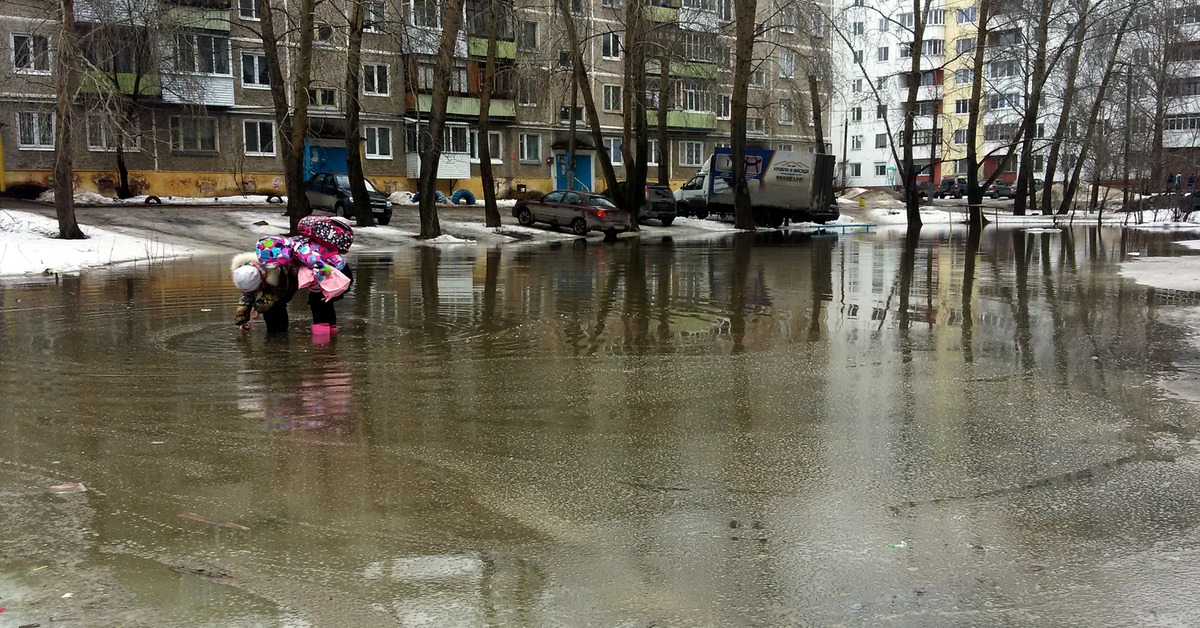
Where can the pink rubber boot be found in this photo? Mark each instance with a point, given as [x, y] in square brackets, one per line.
[320, 333]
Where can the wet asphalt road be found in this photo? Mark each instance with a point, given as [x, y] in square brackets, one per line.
[773, 431]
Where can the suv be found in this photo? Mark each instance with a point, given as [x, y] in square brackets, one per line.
[952, 186]
[658, 203]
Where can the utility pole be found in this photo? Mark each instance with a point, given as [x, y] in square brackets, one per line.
[845, 153]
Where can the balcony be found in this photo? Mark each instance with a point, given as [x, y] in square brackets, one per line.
[662, 14]
[198, 17]
[690, 120]
[685, 69]
[465, 106]
[477, 47]
[127, 83]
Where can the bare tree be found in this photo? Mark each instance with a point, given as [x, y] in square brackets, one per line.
[491, 213]
[745, 13]
[354, 162]
[68, 84]
[584, 84]
[634, 141]
[431, 152]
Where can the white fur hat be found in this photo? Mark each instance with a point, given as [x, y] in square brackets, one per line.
[247, 278]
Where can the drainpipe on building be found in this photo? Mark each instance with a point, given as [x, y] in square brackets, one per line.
[3, 185]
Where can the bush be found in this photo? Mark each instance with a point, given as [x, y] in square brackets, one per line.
[27, 190]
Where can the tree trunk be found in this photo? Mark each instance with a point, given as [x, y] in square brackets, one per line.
[354, 158]
[664, 143]
[585, 91]
[912, 200]
[745, 14]
[634, 140]
[64, 167]
[123, 190]
[1033, 103]
[431, 153]
[1060, 130]
[291, 125]
[490, 212]
[1094, 116]
[975, 217]
[815, 95]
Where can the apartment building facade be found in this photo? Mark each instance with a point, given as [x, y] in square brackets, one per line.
[180, 91]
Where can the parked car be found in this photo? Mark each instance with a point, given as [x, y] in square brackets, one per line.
[331, 192]
[658, 203]
[955, 187]
[1000, 189]
[581, 211]
[922, 189]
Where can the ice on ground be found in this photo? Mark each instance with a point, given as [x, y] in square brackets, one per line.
[1168, 273]
[92, 198]
[706, 224]
[446, 238]
[406, 199]
[1189, 244]
[29, 245]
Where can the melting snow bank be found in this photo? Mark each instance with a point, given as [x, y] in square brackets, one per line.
[92, 198]
[1182, 274]
[708, 224]
[1166, 273]
[446, 238]
[29, 245]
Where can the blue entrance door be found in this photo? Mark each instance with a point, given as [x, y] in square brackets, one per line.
[583, 173]
[325, 159]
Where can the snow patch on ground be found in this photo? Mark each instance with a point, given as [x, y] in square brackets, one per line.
[1189, 244]
[446, 238]
[406, 199]
[28, 245]
[707, 224]
[92, 198]
[1168, 273]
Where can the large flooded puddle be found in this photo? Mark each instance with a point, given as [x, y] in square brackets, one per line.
[763, 430]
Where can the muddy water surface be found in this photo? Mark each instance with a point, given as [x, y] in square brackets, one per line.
[740, 431]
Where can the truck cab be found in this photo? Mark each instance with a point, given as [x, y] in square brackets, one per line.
[691, 199]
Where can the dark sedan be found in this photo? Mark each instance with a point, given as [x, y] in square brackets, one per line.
[581, 211]
[331, 192]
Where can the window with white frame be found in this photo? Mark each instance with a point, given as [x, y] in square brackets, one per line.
[260, 138]
[857, 86]
[881, 140]
[202, 54]
[35, 130]
[963, 45]
[610, 45]
[374, 16]
[612, 97]
[375, 79]
[255, 73]
[494, 147]
[856, 114]
[698, 46]
[960, 136]
[963, 77]
[248, 9]
[104, 133]
[694, 95]
[786, 148]
[787, 64]
[30, 53]
[425, 13]
[787, 19]
[758, 78]
[425, 74]
[528, 40]
[527, 91]
[725, 10]
[881, 83]
[377, 142]
[880, 112]
[1010, 100]
[859, 28]
[967, 15]
[818, 24]
[322, 97]
[785, 112]
[858, 56]
[880, 170]
[755, 124]
[612, 146]
[856, 170]
[962, 105]
[458, 79]
[651, 152]
[725, 107]
[192, 134]
[691, 154]
[455, 139]
[856, 142]
[531, 148]
[882, 53]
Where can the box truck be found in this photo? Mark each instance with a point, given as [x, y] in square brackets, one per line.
[784, 186]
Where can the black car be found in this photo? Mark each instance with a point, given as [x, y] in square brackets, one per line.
[952, 187]
[659, 203]
[331, 192]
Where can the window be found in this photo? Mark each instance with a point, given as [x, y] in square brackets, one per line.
[248, 9]
[612, 97]
[531, 148]
[881, 170]
[455, 139]
[884, 24]
[857, 86]
[786, 148]
[35, 130]
[964, 45]
[787, 64]
[962, 105]
[755, 125]
[856, 114]
[322, 33]
[260, 138]
[856, 142]
[527, 91]
[691, 153]
[818, 24]
[882, 53]
[1039, 163]
[960, 166]
[925, 108]
[881, 140]
[960, 136]
[373, 17]
[425, 14]
[202, 54]
[322, 97]
[1000, 132]
[880, 112]
[856, 170]
[881, 83]
[860, 28]
[494, 150]
[458, 80]
[1004, 69]
[104, 133]
[193, 134]
[610, 45]
[377, 142]
[31, 54]
[758, 78]
[1003, 101]
[254, 70]
[612, 4]
[858, 56]
[612, 146]
[964, 77]
[529, 36]
[698, 46]
[785, 112]
[725, 108]
[725, 10]
[787, 19]
[967, 16]
[651, 152]
[375, 79]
